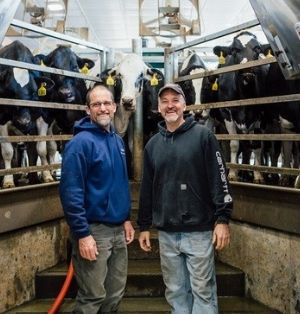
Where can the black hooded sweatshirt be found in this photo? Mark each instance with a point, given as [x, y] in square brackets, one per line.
[184, 185]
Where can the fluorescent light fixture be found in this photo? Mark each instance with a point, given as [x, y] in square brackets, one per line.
[55, 7]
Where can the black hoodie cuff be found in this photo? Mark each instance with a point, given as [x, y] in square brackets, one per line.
[222, 220]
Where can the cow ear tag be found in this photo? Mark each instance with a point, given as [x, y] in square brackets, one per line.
[84, 69]
[42, 90]
[42, 63]
[154, 80]
[269, 55]
[221, 58]
[110, 81]
[215, 85]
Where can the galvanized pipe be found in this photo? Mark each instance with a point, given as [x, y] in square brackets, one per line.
[169, 66]
[217, 35]
[8, 9]
[138, 125]
[110, 59]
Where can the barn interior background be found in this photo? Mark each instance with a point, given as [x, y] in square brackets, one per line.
[115, 23]
[266, 238]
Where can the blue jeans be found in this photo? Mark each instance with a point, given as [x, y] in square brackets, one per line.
[101, 283]
[188, 268]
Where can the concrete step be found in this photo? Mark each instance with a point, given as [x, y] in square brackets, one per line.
[144, 279]
[227, 305]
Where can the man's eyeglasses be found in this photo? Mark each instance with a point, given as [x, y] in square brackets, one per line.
[98, 104]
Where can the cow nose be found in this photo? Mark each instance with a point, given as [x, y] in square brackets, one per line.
[65, 92]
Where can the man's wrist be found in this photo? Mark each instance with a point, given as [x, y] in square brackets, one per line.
[222, 221]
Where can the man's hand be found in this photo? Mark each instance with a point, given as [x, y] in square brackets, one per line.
[221, 236]
[144, 240]
[129, 232]
[88, 248]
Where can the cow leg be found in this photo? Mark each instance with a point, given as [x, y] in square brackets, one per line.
[41, 148]
[51, 146]
[7, 152]
[258, 178]
[287, 147]
[297, 182]
[234, 148]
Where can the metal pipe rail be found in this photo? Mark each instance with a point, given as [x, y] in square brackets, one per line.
[246, 102]
[46, 69]
[259, 137]
[20, 170]
[225, 69]
[266, 169]
[56, 35]
[217, 35]
[240, 137]
[34, 138]
[40, 104]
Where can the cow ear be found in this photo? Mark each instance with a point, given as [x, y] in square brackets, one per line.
[41, 59]
[84, 61]
[49, 84]
[112, 72]
[151, 71]
[217, 51]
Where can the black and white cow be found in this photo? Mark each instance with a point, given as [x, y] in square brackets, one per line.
[193, 64]
[247, 83]
[151, 116]
[286, 115]
[23, 84]
[127, 80]
[67, 90]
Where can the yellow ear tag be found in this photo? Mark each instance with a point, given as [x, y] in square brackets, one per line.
[269, 55]
[215, 85]
[154, 80]
[84, 69]
[110, 81]
[221, 58]
[42, 90]
[42, 63]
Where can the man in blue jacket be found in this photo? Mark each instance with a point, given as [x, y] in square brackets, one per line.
[185, 195]
[94, 192]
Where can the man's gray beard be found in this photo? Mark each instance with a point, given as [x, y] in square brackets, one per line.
[103, 123]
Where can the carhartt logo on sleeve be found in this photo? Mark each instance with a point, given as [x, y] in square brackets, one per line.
[222, 173]
[122, 151]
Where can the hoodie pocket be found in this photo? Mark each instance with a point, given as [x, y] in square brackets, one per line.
[178, 203]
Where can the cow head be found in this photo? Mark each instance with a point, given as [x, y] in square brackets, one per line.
[193, 64]
[68, 89]
[21, 83]
[131, 72]
[153, 82]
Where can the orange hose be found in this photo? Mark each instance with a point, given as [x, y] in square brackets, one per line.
[59, 299]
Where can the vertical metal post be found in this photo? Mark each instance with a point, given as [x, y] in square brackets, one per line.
[8, 9]
[175, 65]
[138, 124]
[110, 59]
[169, 68]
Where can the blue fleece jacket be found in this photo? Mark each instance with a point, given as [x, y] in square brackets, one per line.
[94, 183]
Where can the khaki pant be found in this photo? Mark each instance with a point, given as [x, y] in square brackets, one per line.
[101, 283]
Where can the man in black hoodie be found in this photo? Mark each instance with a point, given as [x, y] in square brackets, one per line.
[186, 196]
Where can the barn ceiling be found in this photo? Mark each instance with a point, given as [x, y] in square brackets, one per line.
[114, 23]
